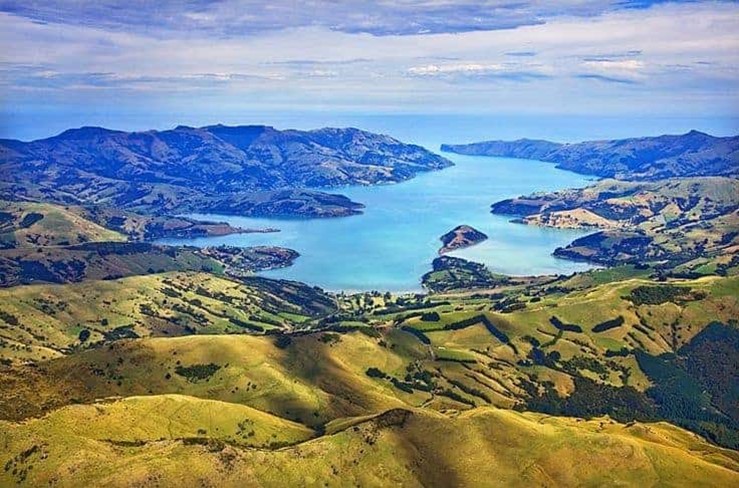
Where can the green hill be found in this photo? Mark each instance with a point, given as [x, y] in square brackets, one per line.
[404, 447]
[45, 321]
[192, 378]
[585, 353]
[25, 224]
[112, 260]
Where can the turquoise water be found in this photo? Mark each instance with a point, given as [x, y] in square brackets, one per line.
[393, 243]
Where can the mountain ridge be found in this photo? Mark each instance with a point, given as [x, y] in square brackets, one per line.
[232, 169]
[694, 153]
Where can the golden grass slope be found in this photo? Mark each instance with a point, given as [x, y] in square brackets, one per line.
[306, 413]
[401, 447]
[51, 317]
[321, 377]
[310, 381]
[57, 226]
[577, 218]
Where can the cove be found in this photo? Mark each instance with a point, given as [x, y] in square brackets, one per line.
[393, 243]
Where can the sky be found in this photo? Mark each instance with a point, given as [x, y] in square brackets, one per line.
[140, 64]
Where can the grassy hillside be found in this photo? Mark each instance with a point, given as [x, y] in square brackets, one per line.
[404, 447]
[25, 224]
[45, 321]
[111, 260]
[310, 381]
[574, 348]
[194, 378]
[97, 261]
[33, 225]
[146, 227]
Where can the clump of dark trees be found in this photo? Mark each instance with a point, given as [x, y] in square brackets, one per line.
[197, 372]
[697, 388]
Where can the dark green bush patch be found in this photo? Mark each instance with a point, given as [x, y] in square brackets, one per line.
[609, 324]
[430, 317]
[197, 372]
[656, 295]
[563, 326]
[283, 341]
[376, 373]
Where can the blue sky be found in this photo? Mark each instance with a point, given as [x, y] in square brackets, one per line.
[598, 58]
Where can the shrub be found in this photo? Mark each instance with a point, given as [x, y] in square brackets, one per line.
[246, 325]
[609, 324]
[402, 385]
[375, 373]
[329, 338]
[8, 317]
[370, 332]
[623, 352]
[484, 320]
[430, 317]
[30, 219]
[84, 335]
[563, 326]
[456, 396]
[656, 295]
[197, 371]
[470, 390]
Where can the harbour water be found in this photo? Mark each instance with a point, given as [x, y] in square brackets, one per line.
[393, 243]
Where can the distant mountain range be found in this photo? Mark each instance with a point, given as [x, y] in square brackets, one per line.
[248, 170]
[646, 158]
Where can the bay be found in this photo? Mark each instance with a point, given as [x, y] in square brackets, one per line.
[393, 243]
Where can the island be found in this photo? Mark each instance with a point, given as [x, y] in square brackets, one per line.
[460, 237]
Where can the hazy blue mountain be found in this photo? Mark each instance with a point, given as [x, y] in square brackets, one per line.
[646, 158]
[253, 170]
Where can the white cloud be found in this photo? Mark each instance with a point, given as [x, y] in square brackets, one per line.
[621, 65]
[469, 68]
[685, 59]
